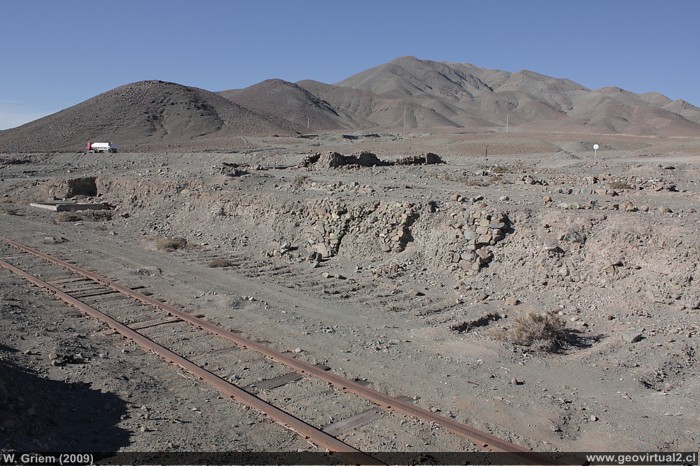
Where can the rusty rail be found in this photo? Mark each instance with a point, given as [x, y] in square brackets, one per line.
[290, 422]
[482, 440]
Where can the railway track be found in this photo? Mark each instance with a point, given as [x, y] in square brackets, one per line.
[159, 327]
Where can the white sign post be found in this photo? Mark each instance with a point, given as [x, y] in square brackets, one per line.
[595, 152]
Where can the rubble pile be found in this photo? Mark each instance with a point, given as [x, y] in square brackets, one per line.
[480, 230]
[364, 159]
[328, 223]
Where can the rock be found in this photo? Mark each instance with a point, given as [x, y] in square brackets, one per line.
[629, 207]
[485, 255]
[594, 418]
[467, 256]
[470, 235]
[322, 249]
[54, 240]
[484, 239]
[515, 381]
[632, 337]
[511, 301]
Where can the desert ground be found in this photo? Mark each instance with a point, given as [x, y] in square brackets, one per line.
[419, 279]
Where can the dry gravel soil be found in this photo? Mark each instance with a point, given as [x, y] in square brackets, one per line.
[412, 278]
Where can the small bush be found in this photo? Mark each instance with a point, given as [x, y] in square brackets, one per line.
[543, 332]
[619, 184]
[219, 262]
[97, 215]
[478, 182]
[299, 181]
[171, 244]
[68, 217]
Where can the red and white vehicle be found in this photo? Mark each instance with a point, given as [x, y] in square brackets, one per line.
[93, 147]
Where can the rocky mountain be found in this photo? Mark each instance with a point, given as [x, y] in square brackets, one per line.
[476, 97]
[406, 93]
[145, 115]
[296, 104]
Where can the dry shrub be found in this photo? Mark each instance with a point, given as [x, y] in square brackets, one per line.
[619, 184]
[171, 244]
[543, 332]
[299, 181]
[478, 182]
[219, 262]
[68, 217]
[97, 215]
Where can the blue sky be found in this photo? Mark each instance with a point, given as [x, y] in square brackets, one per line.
[56, 54]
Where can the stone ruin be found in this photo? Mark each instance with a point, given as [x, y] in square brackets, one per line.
[364, 159]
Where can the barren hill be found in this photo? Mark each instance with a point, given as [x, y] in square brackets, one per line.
[145, 114]
[685, 109]
[367, 109]
[276, 96]
[473, 96]
[406, 93]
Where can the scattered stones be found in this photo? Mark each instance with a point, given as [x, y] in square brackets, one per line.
[480, 230]
[54, 239]
[632, 337]
[480, 322]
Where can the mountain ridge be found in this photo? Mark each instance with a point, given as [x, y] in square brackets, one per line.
[406, 93]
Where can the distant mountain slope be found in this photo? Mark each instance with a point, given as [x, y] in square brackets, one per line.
[685, 109]
[478, 97]
[368, 110]
[275, 96]
[406, 93]
[145, 113]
